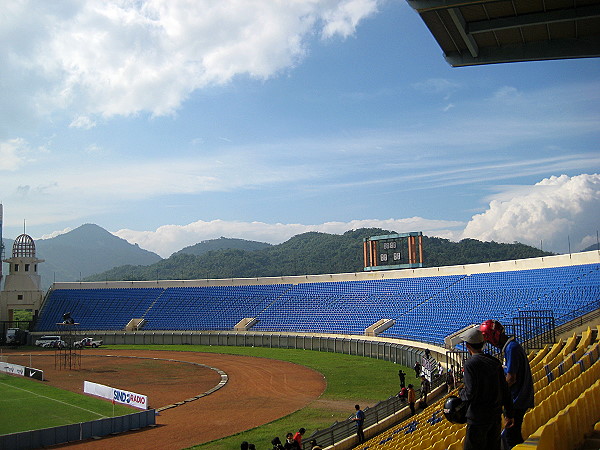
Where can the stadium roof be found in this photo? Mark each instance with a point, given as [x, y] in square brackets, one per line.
[492, 31]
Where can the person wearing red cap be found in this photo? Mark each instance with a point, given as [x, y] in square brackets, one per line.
[518, 376]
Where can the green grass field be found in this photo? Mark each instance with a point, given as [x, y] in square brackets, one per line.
[30, 405]
[350, 380]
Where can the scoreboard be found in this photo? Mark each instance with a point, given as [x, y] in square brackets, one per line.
[393, 251]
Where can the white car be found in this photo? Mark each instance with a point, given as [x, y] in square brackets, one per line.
[42, 341]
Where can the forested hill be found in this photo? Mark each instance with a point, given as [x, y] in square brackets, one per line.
[309, 254]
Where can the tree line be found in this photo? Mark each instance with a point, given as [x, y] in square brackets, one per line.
[311, 253]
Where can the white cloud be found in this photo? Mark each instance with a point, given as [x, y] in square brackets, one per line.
[12, 154]
[437, 86]
[345, 16]
[552, 211]
[82, 122]
[170, 238]
[123, 57]
[56, 233]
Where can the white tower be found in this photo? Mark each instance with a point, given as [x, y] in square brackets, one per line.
[22, 284]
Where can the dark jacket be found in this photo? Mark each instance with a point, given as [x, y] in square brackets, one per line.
[486, 390]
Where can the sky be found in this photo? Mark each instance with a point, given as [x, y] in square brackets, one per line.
[172, 122]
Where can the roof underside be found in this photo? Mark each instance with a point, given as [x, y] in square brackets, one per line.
[489, 31]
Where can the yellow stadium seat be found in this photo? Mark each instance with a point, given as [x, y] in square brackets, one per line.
[456, 446]
[531, 422]
[586, 338]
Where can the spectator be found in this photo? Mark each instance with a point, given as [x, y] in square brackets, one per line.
[518, 377]
[290, 443]
[298, 436]
[486, 392]
[425, 388]
[244, 445]
[450, 383]
[412, 397]
[359, 418]
[315, 446]
[251, 447]
[402, 376]
[417, 368]
[403, 394]
[276, 443]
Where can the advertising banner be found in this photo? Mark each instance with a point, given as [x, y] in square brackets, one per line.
[15, 369]
[116, 395]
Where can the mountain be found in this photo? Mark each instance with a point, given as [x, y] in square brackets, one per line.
[308, 254]
[84, 251]
[591, 247]
[221, 244]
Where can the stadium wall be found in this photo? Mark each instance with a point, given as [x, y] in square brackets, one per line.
[591, 257]
[78, 431]
[399, 351]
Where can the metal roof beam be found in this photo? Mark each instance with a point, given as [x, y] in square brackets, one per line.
[526, 20]
[460, 23]
[556, 49]
[428, 5]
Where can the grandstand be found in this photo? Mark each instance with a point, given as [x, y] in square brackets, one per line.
[423, 306]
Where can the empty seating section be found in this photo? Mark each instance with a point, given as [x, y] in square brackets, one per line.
[348, 307]
[209, 308]
[96, 309]
[500, 295]
[425, 309]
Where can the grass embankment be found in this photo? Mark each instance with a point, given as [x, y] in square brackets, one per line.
[350, 380]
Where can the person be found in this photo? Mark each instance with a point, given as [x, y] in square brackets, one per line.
[402, 376]
[450, 380]
[314, 445]
[359, 418]
[417, 368]
[412, 397]
[486, 392]
[244, 445]
[518, 377]
[251, 447]
[425, 388]
[276, 443]
[298, 436]
[290, 443]
[403, 394]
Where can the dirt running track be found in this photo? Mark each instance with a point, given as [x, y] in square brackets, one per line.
[258, 391]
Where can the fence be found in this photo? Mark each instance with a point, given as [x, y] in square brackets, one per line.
[339, 431]
[78, 431]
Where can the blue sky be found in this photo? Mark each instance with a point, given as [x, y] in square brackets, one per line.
[168, 123]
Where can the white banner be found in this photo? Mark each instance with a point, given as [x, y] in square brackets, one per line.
[13, 369]
[116, 395]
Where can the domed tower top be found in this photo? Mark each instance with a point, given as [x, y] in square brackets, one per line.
[23, 247]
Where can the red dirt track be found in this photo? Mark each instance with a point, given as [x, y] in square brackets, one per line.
[258, 391]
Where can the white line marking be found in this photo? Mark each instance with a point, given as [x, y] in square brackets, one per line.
[53, 399]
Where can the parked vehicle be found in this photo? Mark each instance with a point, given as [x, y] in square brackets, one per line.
[55, 344]
[42, 341]
[88, 342]
[12, 336]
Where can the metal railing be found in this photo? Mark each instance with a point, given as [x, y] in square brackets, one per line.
[339, 431]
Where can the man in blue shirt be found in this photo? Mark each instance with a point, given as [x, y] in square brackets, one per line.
[359, 418]
[518, 376]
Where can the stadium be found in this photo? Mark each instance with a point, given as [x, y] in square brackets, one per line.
[393, 315]
[403, 316]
